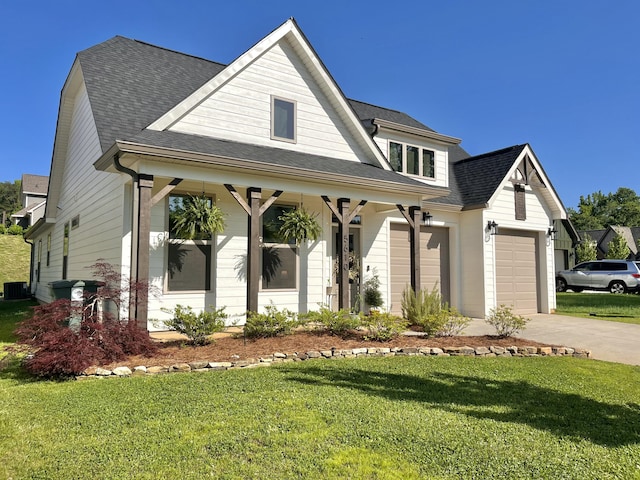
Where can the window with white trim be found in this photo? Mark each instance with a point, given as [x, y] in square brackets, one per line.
[279, 259]
[188, 261]
[412, 160]
[283, 119]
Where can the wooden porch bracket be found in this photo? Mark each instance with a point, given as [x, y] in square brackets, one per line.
[165, 191]
[413, 218]
[254, 211]
[344, 217]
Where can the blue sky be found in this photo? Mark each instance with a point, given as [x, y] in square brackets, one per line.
[561, 75]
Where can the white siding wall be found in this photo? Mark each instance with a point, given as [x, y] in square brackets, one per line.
[240, 110]
[538, 219]
[97, 198]
[440, 151]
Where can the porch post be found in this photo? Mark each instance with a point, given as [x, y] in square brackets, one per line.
[415, 213]
[145, 184]
[254, 195]
[343, 254]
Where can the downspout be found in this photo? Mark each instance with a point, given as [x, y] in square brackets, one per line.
[30, 265]
[135, 200]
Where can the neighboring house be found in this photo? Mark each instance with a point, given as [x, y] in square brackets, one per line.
[141, 126]
[33, 194]
[603, 237]
[565, 240]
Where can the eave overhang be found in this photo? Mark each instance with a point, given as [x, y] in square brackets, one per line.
[420, 132]
[157, 153]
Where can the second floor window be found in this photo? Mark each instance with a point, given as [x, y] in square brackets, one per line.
[283, 119]
[412, 160]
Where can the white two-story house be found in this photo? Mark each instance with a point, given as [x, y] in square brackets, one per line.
[140, 127]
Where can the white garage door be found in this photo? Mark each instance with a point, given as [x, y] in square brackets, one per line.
[517, 271]
[434, 262]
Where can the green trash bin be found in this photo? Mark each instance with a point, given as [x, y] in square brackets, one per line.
[62, 288]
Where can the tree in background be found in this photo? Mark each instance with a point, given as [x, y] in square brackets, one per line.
[598, 211]
[9, 199]
[586, 250]
[618, 248]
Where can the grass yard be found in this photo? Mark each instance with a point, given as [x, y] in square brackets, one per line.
[15, 255]
[604, 306]
[11, 313]
[399, 417]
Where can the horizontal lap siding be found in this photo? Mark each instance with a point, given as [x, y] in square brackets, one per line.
[240, 110]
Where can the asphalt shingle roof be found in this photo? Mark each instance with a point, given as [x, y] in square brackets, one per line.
[34, 184]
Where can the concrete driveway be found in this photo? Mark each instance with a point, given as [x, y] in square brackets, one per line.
[610, 341]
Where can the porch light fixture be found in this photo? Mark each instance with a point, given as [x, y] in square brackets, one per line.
[492, 227]
[551, 233]
[426, 218]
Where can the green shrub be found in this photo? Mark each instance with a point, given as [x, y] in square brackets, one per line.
[455, 323]
[383, 326]
[3, 229]
[335, 323]
[423, 309]
[372, 293]
[15, 230]
[505, 321]
[196, 326]
[272, 323]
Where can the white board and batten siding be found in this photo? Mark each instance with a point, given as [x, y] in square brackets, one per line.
[95, 198]
[240, 110]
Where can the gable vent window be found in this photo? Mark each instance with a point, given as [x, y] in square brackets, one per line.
[283, 119]
[412, 160]
[521, 209]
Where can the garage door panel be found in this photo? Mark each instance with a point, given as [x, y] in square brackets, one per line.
[517, 271]
[434, 262]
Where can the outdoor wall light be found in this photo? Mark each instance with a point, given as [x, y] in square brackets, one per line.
[426, 218]
[551, 233]
[492, 227]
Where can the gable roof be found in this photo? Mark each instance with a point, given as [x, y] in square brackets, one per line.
[34, 184]
[131, 83]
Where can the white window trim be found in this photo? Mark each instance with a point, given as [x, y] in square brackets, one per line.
[405, 161]
[280, 245]
[295, 120]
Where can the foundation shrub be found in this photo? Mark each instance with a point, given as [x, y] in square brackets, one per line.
[339, 323]
[424, 309]
[455, 323]
[271, 323]
[505, 321]
[198, 327]
[383, 326]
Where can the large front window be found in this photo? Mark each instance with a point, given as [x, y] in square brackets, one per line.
[279, 259]
[189, 261]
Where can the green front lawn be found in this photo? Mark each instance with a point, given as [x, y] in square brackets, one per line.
[603, 306]
[15, 255]
[402, 417]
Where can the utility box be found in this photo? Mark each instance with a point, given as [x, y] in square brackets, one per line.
[63, 288]
[15, 290]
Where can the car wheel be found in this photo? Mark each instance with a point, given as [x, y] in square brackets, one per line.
[561, 285]
[576, 289]
[617, 287]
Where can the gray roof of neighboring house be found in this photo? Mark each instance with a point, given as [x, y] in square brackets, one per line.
[37, 184]
[130, 84]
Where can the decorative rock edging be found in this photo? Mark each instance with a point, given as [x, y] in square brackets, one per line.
[334, 354]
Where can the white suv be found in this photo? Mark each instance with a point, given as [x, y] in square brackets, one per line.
[616, 276]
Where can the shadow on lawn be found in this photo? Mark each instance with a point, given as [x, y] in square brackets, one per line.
[562, 414]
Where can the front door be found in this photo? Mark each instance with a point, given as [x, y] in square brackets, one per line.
[355, 266]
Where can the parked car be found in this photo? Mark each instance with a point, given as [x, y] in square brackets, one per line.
[616, 276]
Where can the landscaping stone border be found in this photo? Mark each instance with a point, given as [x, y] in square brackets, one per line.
[335, 354]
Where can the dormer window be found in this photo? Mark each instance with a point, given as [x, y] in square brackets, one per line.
[412, 160]
[283, 119]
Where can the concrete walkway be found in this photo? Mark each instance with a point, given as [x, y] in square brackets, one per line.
[610, 341]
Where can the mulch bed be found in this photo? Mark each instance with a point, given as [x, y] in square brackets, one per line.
[230, 348]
